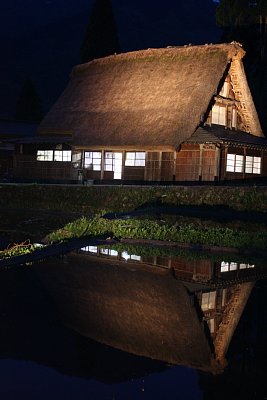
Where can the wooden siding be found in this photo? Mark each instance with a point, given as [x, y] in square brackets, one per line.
[187, 163]
[26, 167]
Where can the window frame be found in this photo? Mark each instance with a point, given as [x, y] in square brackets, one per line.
[236, 164]
[132, 159]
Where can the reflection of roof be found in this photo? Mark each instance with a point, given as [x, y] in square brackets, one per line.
[154, 97]
[218, 134]
[11, 129]
[135, 309]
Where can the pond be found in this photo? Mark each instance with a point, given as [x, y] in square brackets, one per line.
[134, 323]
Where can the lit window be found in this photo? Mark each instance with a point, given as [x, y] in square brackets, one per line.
[92, 160]
[135, 159]
[218, 115]
[234, 118]
[211, 325]
[62, 155]
[208, 300]
[113, 162]
[253, 165]
[225, 89]
[234, 163]
[233, 266]
[224, 266]
[44, 155]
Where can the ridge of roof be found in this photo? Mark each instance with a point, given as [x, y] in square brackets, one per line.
[233, 50]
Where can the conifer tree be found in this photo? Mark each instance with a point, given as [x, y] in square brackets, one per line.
[28, 106]
[101, 37]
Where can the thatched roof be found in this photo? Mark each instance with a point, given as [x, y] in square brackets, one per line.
[129, 307]
[154, 97]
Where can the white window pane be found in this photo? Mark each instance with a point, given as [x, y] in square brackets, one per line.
[117, 175]
[224, 266]
[129, 163]
[113, 253]
[249, 165]
[233, 266]
[104, 251]
[234, 118]
[242, 266]
[67, 155]
[218, 115]
[140, 163]
[239, 163]
[140, 155]
[44, 155]
[136, 258]
[230, 163]
[125, 255]
[257, 165]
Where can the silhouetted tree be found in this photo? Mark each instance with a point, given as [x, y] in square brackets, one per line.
[101, 37]
[28, 104]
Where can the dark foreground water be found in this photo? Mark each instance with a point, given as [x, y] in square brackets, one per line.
[66, 325]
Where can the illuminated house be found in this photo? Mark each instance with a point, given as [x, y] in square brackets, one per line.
[173, 114]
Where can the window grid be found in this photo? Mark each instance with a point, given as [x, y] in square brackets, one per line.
[253, 165]
[54, 155]
[135, 159]
[92, 160]
[234, 163]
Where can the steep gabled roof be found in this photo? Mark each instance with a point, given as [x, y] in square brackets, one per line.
[154, 97]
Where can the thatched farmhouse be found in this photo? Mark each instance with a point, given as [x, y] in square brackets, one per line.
[173, 114]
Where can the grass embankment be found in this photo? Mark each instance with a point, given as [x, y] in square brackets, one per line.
[200, 234]
[94, 199]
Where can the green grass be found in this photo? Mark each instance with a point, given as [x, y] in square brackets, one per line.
[157, 230]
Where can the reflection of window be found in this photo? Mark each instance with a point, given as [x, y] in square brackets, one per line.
[90, 249]
[135, 159]
[44, 155]
[92, 160]
[109, 252]
[127, 256]
[234, 163]
[253, 165]
[233, 266]
[208, 300]
[218, 115]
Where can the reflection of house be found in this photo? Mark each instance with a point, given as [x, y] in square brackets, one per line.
[124, 300]
[174, 114]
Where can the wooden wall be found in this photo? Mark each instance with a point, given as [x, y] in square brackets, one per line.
[197, 162]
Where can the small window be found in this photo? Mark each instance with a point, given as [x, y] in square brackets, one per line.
[234, 163]
[92, 160]
[62, 155]
[218, 115]
[253, 165]
[135, 159]
[44, 155]
[225, 89]
[208, 300]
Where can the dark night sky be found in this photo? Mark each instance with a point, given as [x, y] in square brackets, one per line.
[40, 39]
